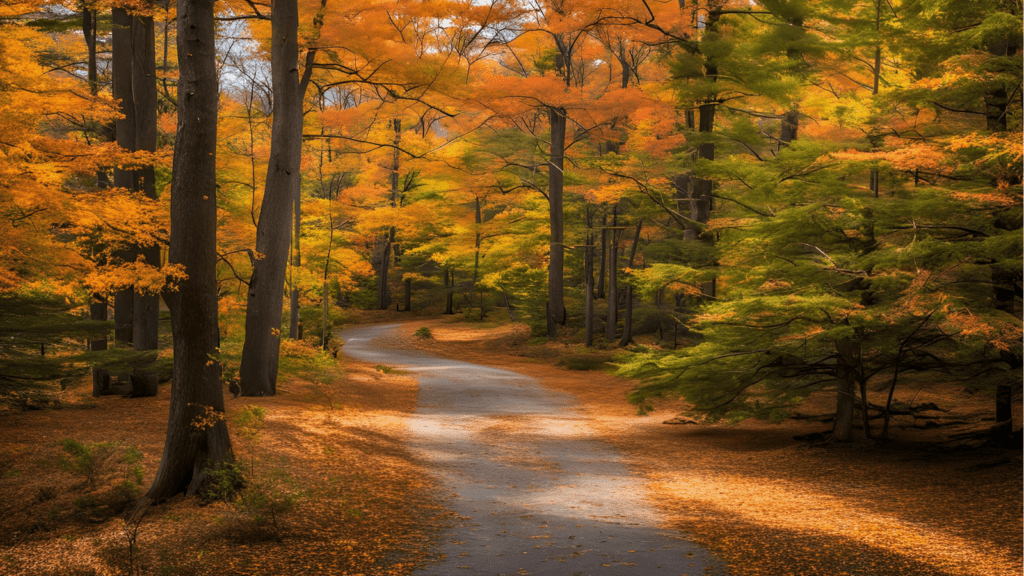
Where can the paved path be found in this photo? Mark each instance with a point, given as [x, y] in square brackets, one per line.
[535, 492]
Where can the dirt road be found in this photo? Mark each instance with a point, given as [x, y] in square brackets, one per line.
[534, 491]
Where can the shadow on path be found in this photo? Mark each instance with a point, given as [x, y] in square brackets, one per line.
[534, 491]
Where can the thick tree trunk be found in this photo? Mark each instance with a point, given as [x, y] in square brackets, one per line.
[627, 319]
[848, 352]
[124, 129]
[611, 317]
[556, 303]
[136, 314]
[146, 306]
[197, 435]
[408, 295]
[258, 369]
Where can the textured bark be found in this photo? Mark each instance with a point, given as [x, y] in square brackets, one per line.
[556, 303]
[258, 367]
[197, 436]
[588, 275]
[136, 314]
[611, 318]
[627, 319]
[449, 294]
[145, 307]
[294, 330]
[383, 293]
[124, 128]
[604, 255]
[100, 377]
[848, 352]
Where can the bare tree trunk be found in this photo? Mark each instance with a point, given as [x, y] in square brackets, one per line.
[611, 319]
[846, 379]
[627, 320]
[197, 435]
[556, 303]
[449, 296]
[124, 128]
[383, 294]
[588, 275]
[258, 369]
[604, 255]
[146, 306]
[100, 377]
[294, 329]
[408, 294]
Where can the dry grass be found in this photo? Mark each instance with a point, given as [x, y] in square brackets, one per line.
[365, 504]
[770, 505]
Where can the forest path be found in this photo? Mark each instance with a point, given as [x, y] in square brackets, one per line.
[534, 490]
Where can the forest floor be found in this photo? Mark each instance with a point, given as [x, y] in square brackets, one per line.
[334, 442]
[771, 505]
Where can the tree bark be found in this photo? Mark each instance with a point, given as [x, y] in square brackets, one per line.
[100, 377]
[383, 294]
[197, 435]
[588, 274]
[294, 327]
[604, 255]
[848, 352]
[627, 319]
[124, 129]
[556, 303]
[611, 318]
[258, 368]
[449, 295]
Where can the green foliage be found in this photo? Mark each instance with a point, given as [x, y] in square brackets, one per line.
[88, 460]
[423, 333]
[249, 421]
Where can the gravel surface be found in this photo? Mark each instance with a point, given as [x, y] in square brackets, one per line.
[533, 490]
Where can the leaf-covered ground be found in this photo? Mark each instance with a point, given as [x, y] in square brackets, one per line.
[770, 505]
[364, 504]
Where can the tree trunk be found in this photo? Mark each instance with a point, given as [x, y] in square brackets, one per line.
[136, 314]
[556, 304]
[197, 435]
[846, 380]
[588, 274]
[449, 295]
[476, 245]
[611, 318]
[294, 324]
[408, 294]
[383, 294]
[124, 129]
[265, 298]
[604, 255]
[100, 377]
[146, 306]
[627, 319]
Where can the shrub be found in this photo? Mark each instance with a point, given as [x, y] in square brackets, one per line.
[424, 333]
[250, 419]
[86, 460]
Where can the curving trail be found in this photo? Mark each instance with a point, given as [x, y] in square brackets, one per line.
[534, 491]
